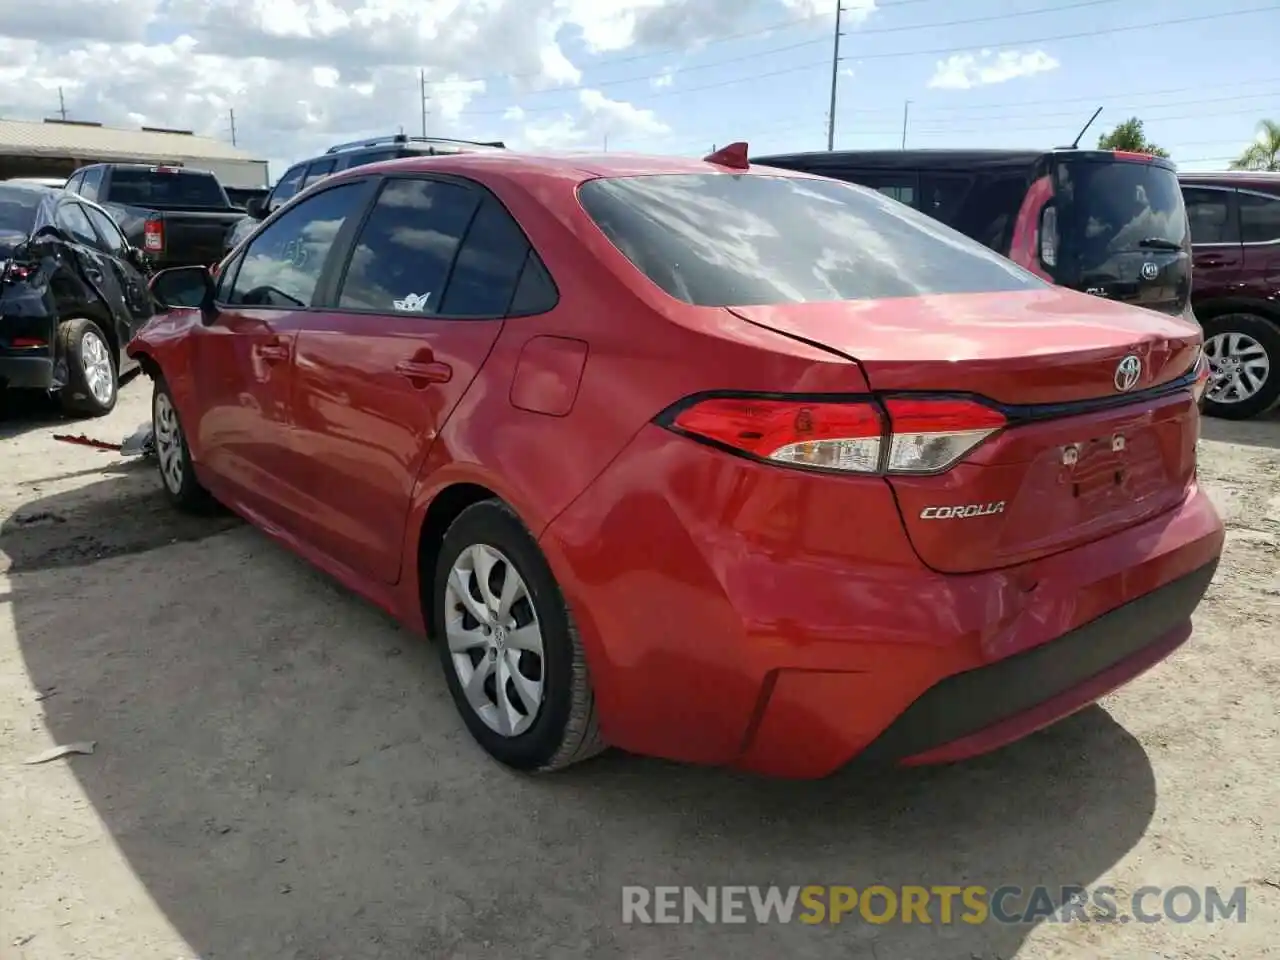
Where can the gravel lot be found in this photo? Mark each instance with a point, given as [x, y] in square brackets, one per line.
[279, 772]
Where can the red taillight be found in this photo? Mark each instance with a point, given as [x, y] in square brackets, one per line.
[26, 343]
[1132, 155]
[153, 236]
[905, 435]
[15, 271]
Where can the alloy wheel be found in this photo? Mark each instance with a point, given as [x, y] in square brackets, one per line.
[98, 371]
[1239, 367]
[495, 639]
[168, 442]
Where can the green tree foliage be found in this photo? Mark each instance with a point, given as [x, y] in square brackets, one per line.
[1130, 136]
[1264, 152]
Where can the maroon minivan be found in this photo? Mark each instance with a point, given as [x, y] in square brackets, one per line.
[1235, 237]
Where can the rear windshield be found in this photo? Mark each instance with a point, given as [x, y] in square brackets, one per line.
[738, 240]
[1106, 208]
[18, 210]
[146, 188]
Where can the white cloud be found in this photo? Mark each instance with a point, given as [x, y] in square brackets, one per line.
[301, 75]
[664, 79]
[965, 70]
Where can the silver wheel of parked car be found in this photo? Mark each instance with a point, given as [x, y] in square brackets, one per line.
[99, 372]
[168, 441]
[495, 639]
[1239, 364]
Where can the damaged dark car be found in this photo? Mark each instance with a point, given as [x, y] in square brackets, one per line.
[73, 292]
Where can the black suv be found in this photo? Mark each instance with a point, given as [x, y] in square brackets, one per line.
[342, 157]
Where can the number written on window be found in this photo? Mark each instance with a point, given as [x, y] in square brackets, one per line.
[402, 257]
[282, 265]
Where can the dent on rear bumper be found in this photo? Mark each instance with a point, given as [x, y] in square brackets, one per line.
[738, 613]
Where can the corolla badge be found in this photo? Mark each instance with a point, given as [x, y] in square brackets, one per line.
[1150, 271]
[1128, 372]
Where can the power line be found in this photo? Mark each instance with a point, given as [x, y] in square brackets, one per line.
[684, 90]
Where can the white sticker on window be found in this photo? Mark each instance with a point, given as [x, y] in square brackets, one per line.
[413, 303]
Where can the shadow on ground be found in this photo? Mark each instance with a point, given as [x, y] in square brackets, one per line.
[284, 771]
[1263, 431]
[23, 410]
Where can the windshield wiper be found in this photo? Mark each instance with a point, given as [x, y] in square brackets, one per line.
[1158, 243]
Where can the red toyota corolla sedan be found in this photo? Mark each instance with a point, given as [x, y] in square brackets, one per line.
[718, 463]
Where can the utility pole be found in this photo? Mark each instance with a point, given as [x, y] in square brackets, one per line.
[906, 108]
[62, 104]
[422, 83]
[835, 80]
[233, 128]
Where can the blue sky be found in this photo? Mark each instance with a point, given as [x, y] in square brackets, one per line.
[1200, 86]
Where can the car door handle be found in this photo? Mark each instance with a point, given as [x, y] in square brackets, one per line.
[1207, 260]
[273, 352]
[423, 372]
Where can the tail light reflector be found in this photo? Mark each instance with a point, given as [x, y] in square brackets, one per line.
[904, 435]
[1203, 374]
[153, 236]
[26, 343]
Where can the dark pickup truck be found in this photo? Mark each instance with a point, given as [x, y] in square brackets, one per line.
[177, 215]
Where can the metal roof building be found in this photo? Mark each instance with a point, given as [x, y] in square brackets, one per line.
[57, 147]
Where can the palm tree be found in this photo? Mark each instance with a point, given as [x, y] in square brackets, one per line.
[1264, 152]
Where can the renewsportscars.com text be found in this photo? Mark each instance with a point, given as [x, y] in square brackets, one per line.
[820, 904]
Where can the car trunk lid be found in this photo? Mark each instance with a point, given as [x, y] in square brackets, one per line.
[1101, 421]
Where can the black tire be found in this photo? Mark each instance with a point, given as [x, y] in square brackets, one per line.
[564, 728]
[177, 476]
[1266, 333]
[77, 398]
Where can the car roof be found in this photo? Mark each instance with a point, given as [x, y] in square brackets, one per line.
[576, 166]
[1263, 179]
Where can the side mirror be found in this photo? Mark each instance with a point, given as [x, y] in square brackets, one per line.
[190, 287]
[256, 208]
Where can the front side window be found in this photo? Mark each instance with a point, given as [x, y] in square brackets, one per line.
[287, 186]
[282, 264]
[739, 240]
[1211, 215]
[1259, 218]
[404, 251]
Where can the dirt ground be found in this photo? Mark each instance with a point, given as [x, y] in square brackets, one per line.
[279, 772]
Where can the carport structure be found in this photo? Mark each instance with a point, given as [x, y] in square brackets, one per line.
[56, 148]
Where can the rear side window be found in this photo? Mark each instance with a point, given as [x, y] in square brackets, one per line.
[107, 230]
[943, 194]
[488, 265]
[18, 209]
[72, 218]
[406, 247]
[991, 208]
[726, 240]
[1211, 215]
[1259, 218]
[146, 187]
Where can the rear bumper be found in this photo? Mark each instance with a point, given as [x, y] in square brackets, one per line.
[978, 710]
[26, 373]
[739, 614]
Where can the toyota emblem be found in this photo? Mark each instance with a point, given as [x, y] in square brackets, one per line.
[1128, 372]
[1150, 271]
